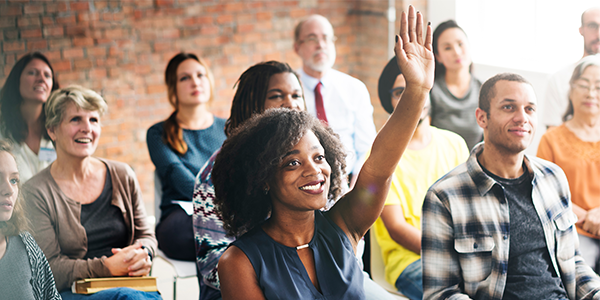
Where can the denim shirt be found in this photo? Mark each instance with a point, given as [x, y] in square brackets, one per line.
[466, 233]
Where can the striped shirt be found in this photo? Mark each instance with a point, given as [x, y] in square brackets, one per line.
[466, 233]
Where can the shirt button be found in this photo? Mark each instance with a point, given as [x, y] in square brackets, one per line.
[505, 237]
[475, 245]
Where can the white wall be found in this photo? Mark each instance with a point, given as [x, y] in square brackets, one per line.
[533, 38]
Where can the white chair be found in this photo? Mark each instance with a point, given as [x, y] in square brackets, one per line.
[378, 267]
[183, 269]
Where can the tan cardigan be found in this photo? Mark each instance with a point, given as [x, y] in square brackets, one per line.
[57, 229]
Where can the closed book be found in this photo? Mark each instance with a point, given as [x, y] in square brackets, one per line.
[94, 285]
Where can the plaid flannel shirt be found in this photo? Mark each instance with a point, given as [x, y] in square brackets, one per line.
[466, 233]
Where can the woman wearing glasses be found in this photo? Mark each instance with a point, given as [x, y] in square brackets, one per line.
[575, 147]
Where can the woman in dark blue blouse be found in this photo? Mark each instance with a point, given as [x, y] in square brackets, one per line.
[179, 147]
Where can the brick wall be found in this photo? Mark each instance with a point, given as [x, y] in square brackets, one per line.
[121, 48]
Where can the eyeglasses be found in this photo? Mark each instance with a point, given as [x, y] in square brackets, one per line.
[314, 40]
[397, 92]
[586, 89]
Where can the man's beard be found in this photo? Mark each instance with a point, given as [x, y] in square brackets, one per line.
[325, 64]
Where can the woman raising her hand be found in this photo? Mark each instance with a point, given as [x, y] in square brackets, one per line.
[291, 165]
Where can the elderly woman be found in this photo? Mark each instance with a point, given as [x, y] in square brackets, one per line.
[24, 270]
[180, 145]
[22, 116]
[87, 213]
[574, 146]
[277, 171]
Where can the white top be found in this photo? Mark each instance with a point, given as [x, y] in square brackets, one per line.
[556, 100]
[28, 162]
[349, 112]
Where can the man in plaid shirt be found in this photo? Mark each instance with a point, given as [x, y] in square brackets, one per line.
[500, 226]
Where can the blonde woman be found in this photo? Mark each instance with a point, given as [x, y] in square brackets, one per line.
[87, 213]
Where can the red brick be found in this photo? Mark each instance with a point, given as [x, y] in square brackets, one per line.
[33, 9]
[100, 5]
[73, 53]
[114, 33]
[53, 55]
[82, 64]
[53, 31]
[224, 19]
[76, 31]
[77, 6]
[59, 43]
[11, 34]
[218, 8]
[31, 33]
[13, 46]
[170, 33]
[65, 20]
[47, 20]
[37, 45]
[264, 16]
[11, 10]
[71, 77]
[243, 28]
[85, 41]
[96, 51]
[164, 3]
[234, 7]
[7, 22]
[209, 30]
[97, 73]
[56, 7]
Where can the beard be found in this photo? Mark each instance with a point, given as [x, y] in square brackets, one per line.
[323, 65]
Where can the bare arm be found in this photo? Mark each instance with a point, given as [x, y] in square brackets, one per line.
[357, 211]
[237, 276]
[400, 231]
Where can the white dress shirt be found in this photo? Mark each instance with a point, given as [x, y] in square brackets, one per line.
[349, 112]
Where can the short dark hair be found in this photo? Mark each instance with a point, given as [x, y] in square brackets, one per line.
[18, 221]
[251, 156]
[12, 124]
[440, 69]
[251, 93]
[488, 89]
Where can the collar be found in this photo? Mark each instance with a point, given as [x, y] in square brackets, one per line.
[485, 183]
[310, 82]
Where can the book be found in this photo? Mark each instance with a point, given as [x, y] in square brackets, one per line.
[94, 285]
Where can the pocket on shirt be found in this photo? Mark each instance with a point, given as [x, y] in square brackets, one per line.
[564, 225]
[475, 256]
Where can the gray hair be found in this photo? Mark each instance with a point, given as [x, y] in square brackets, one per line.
[82, 98]
[584, 63]
[298, 28]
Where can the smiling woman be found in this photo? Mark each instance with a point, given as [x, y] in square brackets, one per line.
[87, 213]
[22, 115]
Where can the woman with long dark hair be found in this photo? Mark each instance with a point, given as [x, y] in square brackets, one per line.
[455, 92]
[22, 116]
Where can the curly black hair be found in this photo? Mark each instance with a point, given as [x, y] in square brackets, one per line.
[251, 156]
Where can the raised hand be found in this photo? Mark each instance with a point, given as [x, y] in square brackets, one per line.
[414, 52]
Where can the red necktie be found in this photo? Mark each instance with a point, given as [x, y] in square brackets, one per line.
[319, 104]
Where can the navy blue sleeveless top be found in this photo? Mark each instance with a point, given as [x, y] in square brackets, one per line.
[281, 274]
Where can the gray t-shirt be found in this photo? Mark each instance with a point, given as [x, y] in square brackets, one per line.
[456, 114]
[530, 272]
[15, 272]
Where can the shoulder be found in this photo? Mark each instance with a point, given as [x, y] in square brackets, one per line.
[118, 169]
[555, 132]
[157, 128]
[545, 167]
[455, 182]
[219, 122]
[341, 76]
[39, 182]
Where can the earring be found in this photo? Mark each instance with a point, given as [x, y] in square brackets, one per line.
[266, 190]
